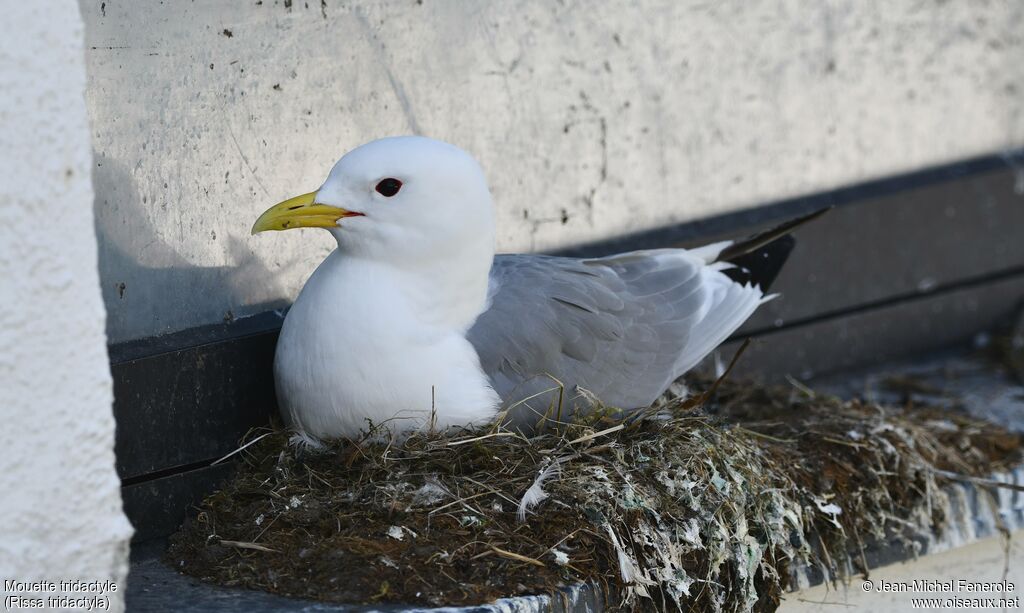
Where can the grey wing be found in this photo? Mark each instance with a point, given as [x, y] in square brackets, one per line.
[623, 327]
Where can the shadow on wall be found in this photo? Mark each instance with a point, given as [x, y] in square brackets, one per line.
[149, 288]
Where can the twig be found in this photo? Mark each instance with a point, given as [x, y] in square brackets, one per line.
[766, 436]
[460, 500]
[491, 489]
[500, 418]
[479, 438]
[837, 441]
[732, 363]
[800, 386]
[267, 527]
[978, 480]
[253, 441]
[517, 557]
[561, 396]
[594, 435]
[243, 545]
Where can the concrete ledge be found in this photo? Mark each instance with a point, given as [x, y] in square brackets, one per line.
[974, 514]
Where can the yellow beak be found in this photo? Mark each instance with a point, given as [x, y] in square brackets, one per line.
[300, 212]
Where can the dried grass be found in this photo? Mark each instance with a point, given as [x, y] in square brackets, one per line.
[714, 504]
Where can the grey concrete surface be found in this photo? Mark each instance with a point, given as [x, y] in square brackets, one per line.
[157, 587]
[989, 560]
[592, 119]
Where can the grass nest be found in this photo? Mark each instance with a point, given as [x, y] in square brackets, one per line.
[716, 503]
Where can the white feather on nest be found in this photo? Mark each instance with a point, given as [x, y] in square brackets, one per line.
[535, 494]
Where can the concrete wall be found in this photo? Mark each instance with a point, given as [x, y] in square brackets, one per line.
[60, 510]
[592, 118]
[987, 561]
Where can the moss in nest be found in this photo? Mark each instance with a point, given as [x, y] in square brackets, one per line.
[719, 507]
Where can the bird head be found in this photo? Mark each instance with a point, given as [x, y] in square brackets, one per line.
[401, 199]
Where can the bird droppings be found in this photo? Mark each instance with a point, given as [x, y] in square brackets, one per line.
[228, 33]
[720, 505]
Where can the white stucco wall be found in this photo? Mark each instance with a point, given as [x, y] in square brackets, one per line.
[60, 510]
[592, 118]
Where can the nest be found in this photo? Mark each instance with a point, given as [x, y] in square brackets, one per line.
[717, 503]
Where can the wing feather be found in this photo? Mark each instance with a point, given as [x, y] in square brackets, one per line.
[623, 327]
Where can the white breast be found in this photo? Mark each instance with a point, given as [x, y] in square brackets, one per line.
[362, 344]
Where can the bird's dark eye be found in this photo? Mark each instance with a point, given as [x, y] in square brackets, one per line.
[388, 187]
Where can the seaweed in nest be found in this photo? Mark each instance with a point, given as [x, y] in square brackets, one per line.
[719, 504]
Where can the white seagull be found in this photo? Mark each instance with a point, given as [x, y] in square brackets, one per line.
[413, 322]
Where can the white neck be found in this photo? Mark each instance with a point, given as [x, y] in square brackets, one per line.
[448, 288]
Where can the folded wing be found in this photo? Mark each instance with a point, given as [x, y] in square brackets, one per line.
[623, 327]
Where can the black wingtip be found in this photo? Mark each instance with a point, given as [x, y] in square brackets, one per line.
[755, 242]
[759, 259]
[761, 266]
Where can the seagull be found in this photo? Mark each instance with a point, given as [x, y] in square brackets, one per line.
[413, 322]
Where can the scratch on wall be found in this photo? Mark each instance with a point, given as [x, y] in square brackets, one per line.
[396, 86]
[245, 160]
